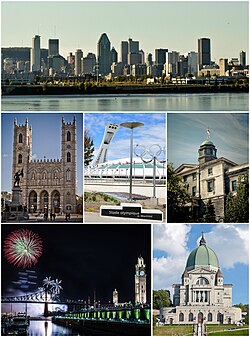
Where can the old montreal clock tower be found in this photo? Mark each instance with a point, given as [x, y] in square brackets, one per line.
[140, 281]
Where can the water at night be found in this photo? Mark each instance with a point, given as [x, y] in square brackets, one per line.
[146, 102]
[47, 328]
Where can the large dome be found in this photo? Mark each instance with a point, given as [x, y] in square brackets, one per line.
[202, 256]
[207, 142]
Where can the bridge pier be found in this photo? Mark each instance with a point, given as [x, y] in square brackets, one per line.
[46, 309]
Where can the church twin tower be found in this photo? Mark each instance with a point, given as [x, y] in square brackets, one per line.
[47, 185]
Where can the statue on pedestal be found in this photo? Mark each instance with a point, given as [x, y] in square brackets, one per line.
[17, 176]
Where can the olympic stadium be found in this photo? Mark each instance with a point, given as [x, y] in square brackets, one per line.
[143, 164]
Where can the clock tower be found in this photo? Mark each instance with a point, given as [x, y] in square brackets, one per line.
[140, 281]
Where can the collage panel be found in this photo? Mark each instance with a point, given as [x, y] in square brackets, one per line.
[42, 167]
[125, 167]
[208, 167]
[200, 279]
[77, 280]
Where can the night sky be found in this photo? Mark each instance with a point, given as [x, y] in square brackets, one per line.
[86, 257]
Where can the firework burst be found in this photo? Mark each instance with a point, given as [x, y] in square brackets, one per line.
[23, 248]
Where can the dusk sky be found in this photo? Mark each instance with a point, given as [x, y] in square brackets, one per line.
[186, 131]
[153, 131]
[174, 242]
[46, 141]
[86, 257]
[175, 25]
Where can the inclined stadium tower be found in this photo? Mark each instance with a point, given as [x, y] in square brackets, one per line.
[101, 168]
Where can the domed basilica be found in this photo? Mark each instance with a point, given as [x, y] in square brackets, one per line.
[202, 296]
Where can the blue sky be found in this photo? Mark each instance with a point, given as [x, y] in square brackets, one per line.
[46, 141]
[186, 131]
[174, 242]
[175, 25]
[153, 131]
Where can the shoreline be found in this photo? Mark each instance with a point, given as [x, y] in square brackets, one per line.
[51, 90]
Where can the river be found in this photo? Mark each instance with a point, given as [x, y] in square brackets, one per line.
[47, 328]
[145, 102]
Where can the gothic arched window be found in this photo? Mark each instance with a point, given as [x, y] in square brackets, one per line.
[68, 174]
[44, 175]
[190, 317]
[20, 159]
[20, 140]
[68, 157]
[209, 317]
[68, 136]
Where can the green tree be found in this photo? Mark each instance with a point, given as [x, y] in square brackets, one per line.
[88, 148]
[237, 207]
[161, 298]
[177, 197]
[209, 215]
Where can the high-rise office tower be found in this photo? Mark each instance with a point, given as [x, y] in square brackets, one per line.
[204, 52]
[133, 52]
[103, 55]
[124, 53]
[160, 56]
[53, 47]
[113, 55]
[192, 62]
[149, 59]
[78, 56]
[243, 58]
[141, 57]
[35, 54]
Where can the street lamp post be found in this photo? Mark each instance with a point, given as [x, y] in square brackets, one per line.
[131, 126]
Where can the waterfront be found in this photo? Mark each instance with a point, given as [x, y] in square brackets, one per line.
[143, 102]
[47, 328]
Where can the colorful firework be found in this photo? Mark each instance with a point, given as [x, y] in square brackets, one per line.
[23, 248]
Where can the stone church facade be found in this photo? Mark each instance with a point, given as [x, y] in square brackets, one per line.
[211, 179]
[202, 296]
[47, 185]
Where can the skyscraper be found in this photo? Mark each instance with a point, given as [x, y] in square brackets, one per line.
[53, 47]
[204, 52]
[113, 55]
[78, 56]
[35, 54]
[243, 58]
[133, 52]
[103, 55]
[124, 53]
[160, 56]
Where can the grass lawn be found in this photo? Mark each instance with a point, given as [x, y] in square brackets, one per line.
[212, 330]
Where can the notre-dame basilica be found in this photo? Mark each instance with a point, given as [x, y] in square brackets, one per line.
[47, 185]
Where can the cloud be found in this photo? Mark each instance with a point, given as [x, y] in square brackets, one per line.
[170, 239]
[230, 243]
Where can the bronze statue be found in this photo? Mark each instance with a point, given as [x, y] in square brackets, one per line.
[17, 176]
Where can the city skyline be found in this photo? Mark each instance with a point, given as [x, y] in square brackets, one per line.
[46, 131]
[172, 244]
[106, 16]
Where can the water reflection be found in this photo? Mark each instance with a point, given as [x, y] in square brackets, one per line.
[160, 102]
[47, 328]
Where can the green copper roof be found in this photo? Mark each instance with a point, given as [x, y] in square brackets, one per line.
[202, 256]
[207, 142]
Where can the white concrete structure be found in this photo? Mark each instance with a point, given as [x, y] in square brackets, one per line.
[202, 296]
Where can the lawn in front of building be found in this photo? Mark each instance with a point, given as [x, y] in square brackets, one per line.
[212, 330]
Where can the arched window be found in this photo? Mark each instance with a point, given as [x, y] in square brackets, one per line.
[68, 136]
[20, 159]
[55, 174]
[33, 176]
[181, 317]
[68, 197]
[68, 157]
[20, 140]
[190, 317]
[44, 175]
[209, 317]
[202, 281]
[68, 174]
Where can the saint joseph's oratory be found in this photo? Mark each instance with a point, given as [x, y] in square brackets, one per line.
[202, 296]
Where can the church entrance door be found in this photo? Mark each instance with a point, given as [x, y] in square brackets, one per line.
[32, 202]
[56, 201]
